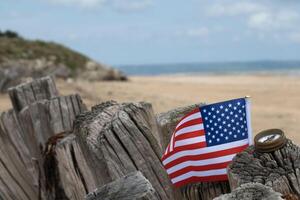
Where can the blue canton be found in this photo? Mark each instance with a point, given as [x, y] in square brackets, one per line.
[225, 122]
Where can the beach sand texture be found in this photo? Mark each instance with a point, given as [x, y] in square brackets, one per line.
[275, 99]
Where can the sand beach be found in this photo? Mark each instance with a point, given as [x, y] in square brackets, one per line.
[275, 98]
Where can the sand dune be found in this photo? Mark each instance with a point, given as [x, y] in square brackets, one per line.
[275, 99]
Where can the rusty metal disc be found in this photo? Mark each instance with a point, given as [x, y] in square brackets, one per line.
[269, 140]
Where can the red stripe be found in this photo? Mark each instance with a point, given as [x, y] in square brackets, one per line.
[190, 113]
[189, 123]
[202, 179]
[190, 135]
[199, 168]
[184, 148]
[206, 156]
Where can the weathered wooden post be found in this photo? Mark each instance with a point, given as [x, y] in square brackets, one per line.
[278, 169]
[132, 186]
[252, 191]
[117, 139]
[37, 115]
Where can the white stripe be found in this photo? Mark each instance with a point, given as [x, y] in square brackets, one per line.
[172, 142]
[188, 129]
[167, 150]
[205, 150]
[188, 141]
[189, 118]
[196, 163]
[199, 174]
[248, 118]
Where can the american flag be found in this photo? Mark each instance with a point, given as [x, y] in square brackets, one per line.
[205, 141]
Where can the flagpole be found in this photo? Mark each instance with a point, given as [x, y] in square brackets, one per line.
[248, 118]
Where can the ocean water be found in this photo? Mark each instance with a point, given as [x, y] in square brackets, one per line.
[257, 67]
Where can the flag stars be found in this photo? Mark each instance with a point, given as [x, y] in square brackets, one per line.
[224, 122]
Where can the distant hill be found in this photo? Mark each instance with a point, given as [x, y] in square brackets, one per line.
[21, 58]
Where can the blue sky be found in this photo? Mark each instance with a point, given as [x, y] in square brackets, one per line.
[168, 31]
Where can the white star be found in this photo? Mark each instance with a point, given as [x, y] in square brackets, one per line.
[224, 122]
[222, 133]
[220, 127]
[238, 103]
[232, 120]
[226, 109]
[233, 128]
[210, 121]
[231, 113]
[234, 108]
[213, 136]
[235, 136]
[221, 107]
[230, 105]
[214, 116]
[240, 111]
[222, 114]
[209, 141]
[227, 117]
[219, 119]
[212, 128]
[238, 131]
[230, 133]
[226, 138]
[241, 118]
[225, 130]
[218, 139]
[209, 113]
[229, 125]
[207, 125]
[212, 108]
[237, 123]
[205, 118]
[243, 134]
[218, 111]
[215, 124]
[217, 132]
[236, 115]
[208, 133]
[204, 110]
[243, 106]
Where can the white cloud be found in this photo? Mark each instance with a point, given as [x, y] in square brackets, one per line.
[120, 5]
[234, 9]
[198, 32]
[131, 5]
[80, 3]
[268, 21]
